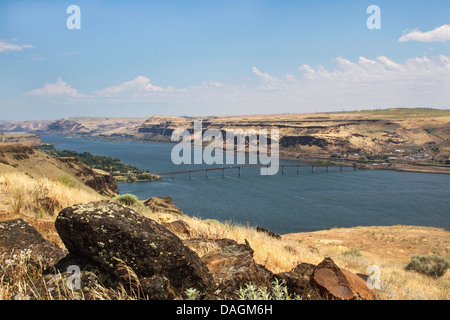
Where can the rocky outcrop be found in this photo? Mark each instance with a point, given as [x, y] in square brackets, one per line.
[98, 180]
[19, 237]
[268, 232]
[115, 248]
[162, 204]
[179, 227]
[335, 283]
[119, 239]
[22, 138]
[294, 141]
[19, 151]
[232, 266]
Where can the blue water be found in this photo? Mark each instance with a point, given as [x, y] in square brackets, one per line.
[284, 203]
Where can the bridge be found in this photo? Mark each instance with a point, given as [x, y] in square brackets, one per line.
[239, 167]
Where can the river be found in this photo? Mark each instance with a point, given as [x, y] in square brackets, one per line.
[292, 202]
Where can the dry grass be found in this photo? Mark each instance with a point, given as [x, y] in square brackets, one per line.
[41, 197]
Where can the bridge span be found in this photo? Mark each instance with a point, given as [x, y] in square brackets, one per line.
[239, 168]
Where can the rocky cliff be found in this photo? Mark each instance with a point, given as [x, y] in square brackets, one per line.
[316, 134]
[22, 138]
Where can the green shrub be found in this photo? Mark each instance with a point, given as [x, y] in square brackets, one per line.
[67, 181]
[352, 252]
[192, 294]
[432, 265]
[127, 199]
[278, 291]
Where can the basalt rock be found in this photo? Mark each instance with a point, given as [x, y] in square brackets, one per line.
[162, 204]
[96, 179]
[335, 283]
[232, 266]
[179, 227]
[268, 232]
[304, 270]
[119, 239]
[19, 238]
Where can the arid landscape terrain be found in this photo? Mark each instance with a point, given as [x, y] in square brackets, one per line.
[403, 139]
[35, 187]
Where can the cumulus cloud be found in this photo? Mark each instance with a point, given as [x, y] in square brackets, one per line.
[382, 69]
[137, 87]
[58, 89]
[440, 34]
[364, 83]
[264, 76]
[8, 46]
[216, 84]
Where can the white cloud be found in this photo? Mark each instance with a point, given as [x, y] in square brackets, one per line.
[5, 46]
[139, 86]
[360, 84]
[58, 89]
[216, 84]
[382, 69]
[440, 34]
[264, 76]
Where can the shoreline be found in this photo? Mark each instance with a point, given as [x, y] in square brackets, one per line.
[399, 167]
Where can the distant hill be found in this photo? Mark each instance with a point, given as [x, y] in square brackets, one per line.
[350, 135]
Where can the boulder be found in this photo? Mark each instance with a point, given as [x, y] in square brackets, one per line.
[296, 285]
[121, 240]
[297, 281]
[335, 283]
[18, 236]
[179, 227]
[232, 266]
[94, 283]
[99, 180]
[304, 269]
[162, 204]
[268, 232]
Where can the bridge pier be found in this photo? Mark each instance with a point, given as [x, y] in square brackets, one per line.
[327, 168]
[282, 169]
[190, 175]
[341, 168]
[297, 170]
[223, 172]
[312, 168]
[206, 173]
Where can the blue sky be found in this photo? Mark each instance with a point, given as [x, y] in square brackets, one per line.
[142, 58]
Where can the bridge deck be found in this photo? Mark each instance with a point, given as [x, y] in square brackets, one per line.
[298, 166]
